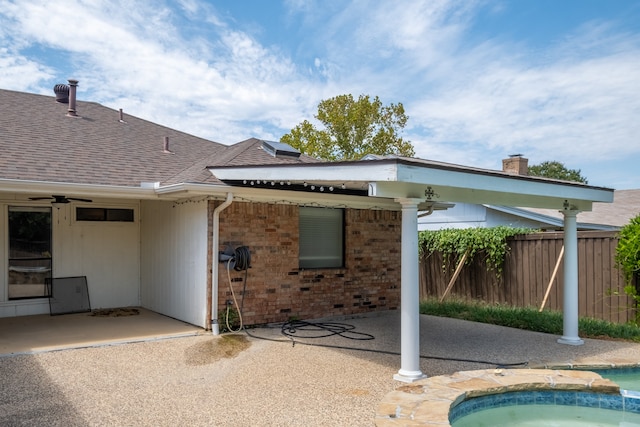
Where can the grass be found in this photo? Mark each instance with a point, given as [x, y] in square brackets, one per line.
[528, 318]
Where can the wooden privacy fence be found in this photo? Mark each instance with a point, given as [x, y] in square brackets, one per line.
[528, 269]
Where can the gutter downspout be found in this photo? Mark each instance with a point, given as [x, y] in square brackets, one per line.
[215, 247]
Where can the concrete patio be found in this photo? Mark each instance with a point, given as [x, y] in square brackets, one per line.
[168, 376]
[41, 333]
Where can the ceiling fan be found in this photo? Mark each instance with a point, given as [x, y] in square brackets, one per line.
[60, 199]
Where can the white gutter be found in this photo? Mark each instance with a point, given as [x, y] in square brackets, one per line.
[215, 247]
[146, 190]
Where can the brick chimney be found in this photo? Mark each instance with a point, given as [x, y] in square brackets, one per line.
[516, 164]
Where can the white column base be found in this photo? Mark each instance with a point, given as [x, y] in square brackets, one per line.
[570, 341]
[409, 376]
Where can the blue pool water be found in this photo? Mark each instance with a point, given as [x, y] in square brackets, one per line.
[626, 378]
[547, 408]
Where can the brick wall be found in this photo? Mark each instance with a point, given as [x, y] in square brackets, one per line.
[277, 290]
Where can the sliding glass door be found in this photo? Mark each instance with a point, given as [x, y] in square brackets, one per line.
[29, 252]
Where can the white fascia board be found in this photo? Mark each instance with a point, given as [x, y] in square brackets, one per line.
[474, 196]
[183, 190]
[44, 188]
[348, 171]
[536, 197]
[499, 182]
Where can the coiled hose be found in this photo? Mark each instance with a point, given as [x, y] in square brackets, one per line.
[241, 262]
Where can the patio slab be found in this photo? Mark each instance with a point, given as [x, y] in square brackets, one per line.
[332, 380]
[42, 333]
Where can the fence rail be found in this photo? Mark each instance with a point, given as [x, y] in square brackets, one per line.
[528, 270]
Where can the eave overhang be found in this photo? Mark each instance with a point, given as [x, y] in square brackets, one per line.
[430, 181]
[44, 188]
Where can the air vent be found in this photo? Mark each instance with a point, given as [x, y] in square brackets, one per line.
[62, 93]
[279, 149]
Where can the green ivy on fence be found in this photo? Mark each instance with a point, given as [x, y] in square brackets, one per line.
[490, 241]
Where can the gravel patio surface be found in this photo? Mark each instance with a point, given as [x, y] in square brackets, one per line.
[271, 383]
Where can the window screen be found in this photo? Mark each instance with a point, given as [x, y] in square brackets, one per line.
[321, 238]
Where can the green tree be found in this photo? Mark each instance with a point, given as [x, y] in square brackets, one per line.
[557, 170]
[352, 129]
[628, 258]
[628, 250]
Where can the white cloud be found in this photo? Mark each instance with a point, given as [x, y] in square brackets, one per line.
[136, 58]
[19, 72]
[189, 67]
[575, 108]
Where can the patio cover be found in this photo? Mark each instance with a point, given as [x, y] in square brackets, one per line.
[417, 184]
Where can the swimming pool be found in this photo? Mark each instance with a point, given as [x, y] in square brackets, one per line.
[626, 378]
[561, 408]
[547, 408]
[440, 400]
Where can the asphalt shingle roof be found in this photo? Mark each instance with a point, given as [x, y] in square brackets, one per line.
[40, 143]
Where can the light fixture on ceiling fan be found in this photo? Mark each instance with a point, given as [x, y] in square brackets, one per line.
[58, 201]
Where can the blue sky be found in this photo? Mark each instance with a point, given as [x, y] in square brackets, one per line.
[479, 80]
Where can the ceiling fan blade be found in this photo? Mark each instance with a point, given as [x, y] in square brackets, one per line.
[79, 200]
[40, 198]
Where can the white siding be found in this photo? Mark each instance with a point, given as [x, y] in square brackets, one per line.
[174, 259]
[108, 253]
[462, 215]
[496, 218]
[467, 215]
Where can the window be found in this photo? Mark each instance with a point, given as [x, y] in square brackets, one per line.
[29, 252]
[321, 238]
[104, 214]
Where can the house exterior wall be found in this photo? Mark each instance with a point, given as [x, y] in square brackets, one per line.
[107, 253]
[276, 289]
[469, 215]
[462, 215]
[174, 251]
[495, 219]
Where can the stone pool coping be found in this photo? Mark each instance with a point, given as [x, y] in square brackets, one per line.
[428, 402]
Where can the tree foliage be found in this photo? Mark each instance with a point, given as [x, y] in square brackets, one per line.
[556, 170]
[628, 250]
[628, 258]
[490, 241]
[352, 129]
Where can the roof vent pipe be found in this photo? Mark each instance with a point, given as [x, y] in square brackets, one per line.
[165, 146]
[121, 116]
[71, 112]
[62, 93]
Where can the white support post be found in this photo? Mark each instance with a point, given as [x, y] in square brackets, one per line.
[570, 303]
[409, 295]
